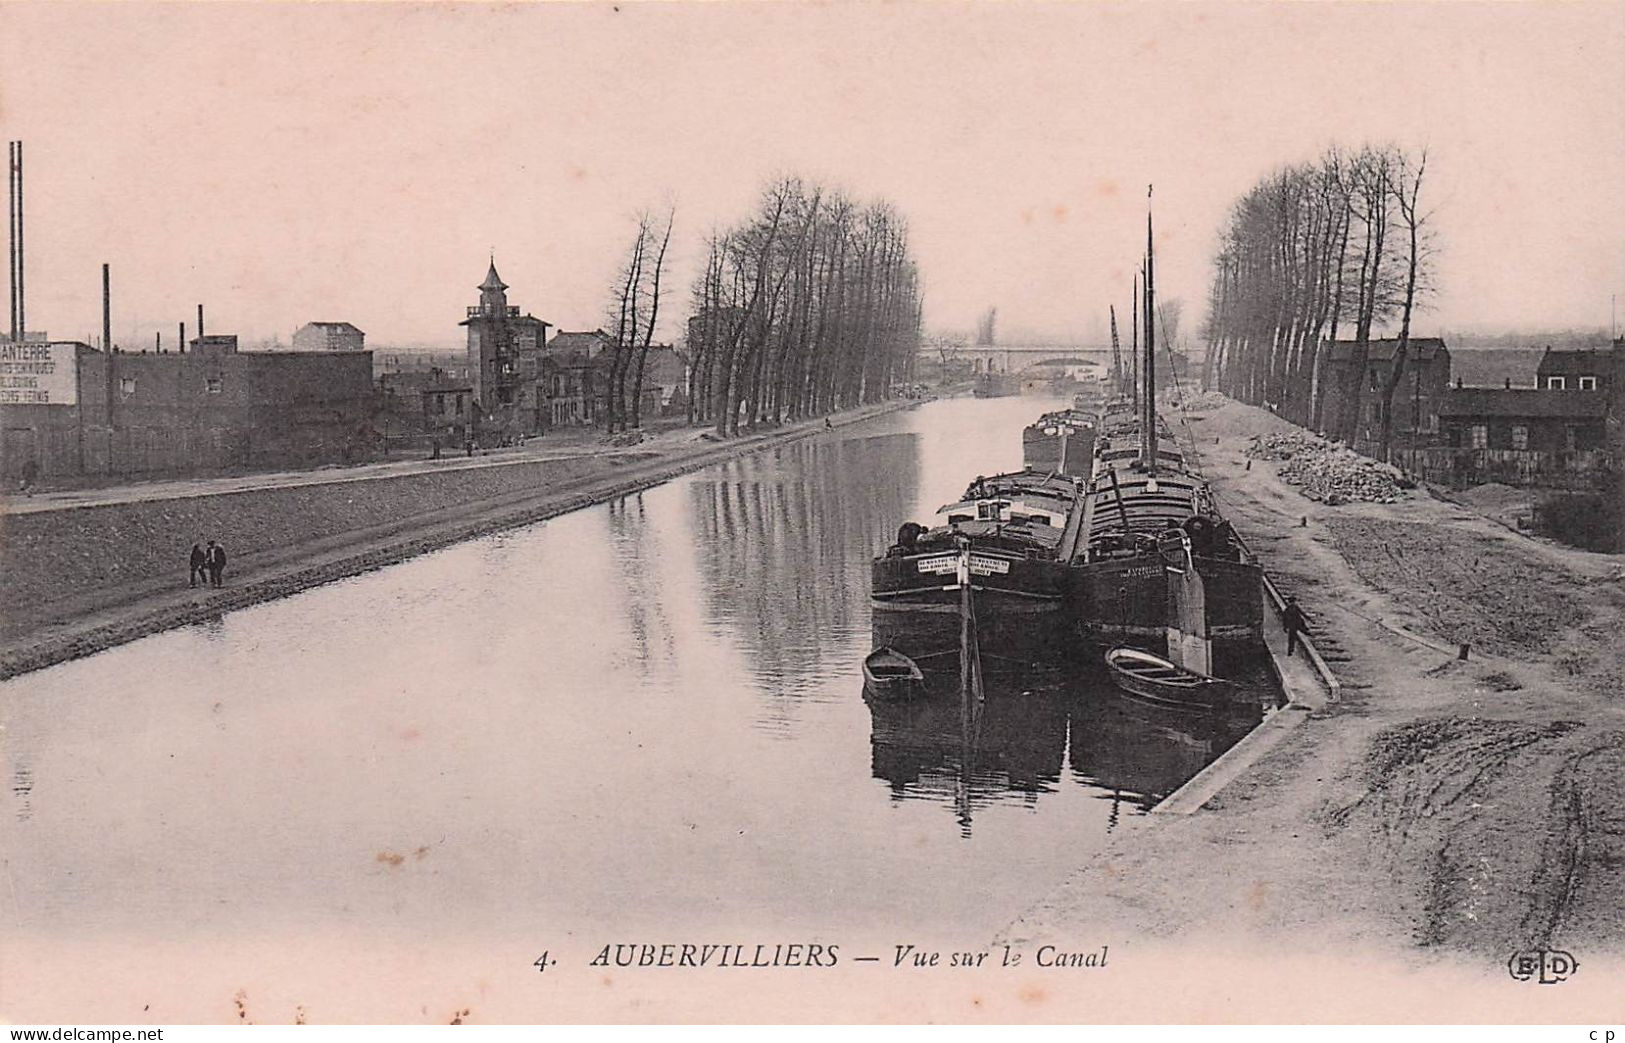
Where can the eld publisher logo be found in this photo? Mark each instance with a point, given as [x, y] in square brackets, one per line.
[1546, 966]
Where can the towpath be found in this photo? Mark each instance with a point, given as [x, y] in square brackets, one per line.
[86, 570]
[564, 445]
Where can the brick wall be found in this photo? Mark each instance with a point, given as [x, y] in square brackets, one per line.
[198, 411]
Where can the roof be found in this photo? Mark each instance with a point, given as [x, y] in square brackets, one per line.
[664, 364]
[493, 281]
[1421, 349]
[1584, 362]
[1533, 403]
[566, 342]
[334, 326]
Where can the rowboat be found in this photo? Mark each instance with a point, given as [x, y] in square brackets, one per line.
[1157, 680]
[889, 674]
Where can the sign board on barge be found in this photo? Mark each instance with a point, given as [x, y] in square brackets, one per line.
[938, 565]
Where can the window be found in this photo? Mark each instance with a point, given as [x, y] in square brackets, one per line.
[1520, 436]
[212, 385]
[1480, 436]
[127, 385]
[1588, 383]
[1556, 384]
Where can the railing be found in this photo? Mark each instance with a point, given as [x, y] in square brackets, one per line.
[1273, 598]
[1461, 467]
[481, 311]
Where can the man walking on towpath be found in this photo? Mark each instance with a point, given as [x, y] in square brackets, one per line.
[217, 563]
[200, 561]
[1295, 622]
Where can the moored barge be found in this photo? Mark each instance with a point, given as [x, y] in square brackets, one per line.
[1062, 442]
[1156, 566]
[1010, 538]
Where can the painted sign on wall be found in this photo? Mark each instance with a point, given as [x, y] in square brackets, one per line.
[35, 374]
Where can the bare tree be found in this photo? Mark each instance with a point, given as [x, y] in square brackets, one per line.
[653, 297]
[627, 312]
[1407, 191]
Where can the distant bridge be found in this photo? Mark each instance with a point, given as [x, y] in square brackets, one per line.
[1014, 358]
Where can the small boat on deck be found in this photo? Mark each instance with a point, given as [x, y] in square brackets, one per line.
[1157, 680]
[889, 674]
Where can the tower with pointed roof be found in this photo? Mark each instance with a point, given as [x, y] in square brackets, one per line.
[504, 359]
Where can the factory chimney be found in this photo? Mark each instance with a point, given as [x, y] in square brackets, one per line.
[107, 310]
[14, 233]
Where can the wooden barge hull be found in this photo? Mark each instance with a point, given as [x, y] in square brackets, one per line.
[1126, 600]
[1042, 452]
[1027, 587]
[1021, 614]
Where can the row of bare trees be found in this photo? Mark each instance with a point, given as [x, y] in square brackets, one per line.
[811, 305]
[1336, 244]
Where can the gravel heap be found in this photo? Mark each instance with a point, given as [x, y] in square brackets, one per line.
[1327, 471]
[1284, 445]
[1203, 401]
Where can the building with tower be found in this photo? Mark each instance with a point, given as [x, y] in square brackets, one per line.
[505, 364]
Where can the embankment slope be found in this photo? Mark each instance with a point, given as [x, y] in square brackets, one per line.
[80, 579]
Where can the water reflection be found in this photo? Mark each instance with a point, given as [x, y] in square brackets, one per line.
[1010, 745]
[1139, 753]
[973, 752]
[639, 552]
[784, 539]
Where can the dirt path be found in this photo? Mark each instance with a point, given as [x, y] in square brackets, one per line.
[1444, 811]
[568, 445]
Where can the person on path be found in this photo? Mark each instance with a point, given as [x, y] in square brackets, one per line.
[200, 561]
[1295, 622]
[217, 563]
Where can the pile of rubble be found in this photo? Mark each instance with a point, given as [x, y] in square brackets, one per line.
[1285, 445]
[1329, 472]
[1203, 401]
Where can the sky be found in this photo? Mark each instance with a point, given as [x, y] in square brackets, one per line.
[283, 163]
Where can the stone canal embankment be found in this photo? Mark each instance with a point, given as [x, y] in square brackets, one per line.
[78, 579]
[1439, 808]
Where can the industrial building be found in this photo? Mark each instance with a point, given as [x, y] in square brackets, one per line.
[68, 409]
[328, 336]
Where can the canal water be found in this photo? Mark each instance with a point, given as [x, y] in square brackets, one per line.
[643, 718]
